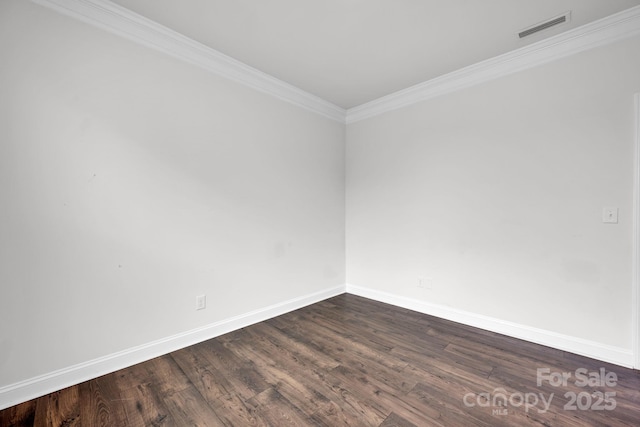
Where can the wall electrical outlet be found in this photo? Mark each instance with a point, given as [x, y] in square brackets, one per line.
[201, 302]
[425, 283]
[610, 215]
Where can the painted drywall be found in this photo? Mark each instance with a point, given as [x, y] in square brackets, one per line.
[494, 195]
[131, 182]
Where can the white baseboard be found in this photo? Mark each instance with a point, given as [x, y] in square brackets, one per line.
[616, 355]
[23, 391]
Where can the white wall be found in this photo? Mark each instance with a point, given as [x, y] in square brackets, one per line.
[131, 182]
[496, 193]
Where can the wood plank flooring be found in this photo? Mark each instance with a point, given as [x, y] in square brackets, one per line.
[348, 361]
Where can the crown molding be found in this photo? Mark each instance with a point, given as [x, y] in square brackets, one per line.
[598, 33]
[123, 22]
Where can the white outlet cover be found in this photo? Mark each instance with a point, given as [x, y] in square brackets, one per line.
[201, 302]
[425, 283]
[610, 215]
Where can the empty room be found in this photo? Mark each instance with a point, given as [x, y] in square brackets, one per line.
[320, 213]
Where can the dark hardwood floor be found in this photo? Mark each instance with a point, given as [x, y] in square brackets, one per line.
[349, 361]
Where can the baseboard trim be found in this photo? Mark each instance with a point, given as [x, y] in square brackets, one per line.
[616, 355]
[32, 388]
[23, 391]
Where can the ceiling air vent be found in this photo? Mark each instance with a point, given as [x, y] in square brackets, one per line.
[565, 17]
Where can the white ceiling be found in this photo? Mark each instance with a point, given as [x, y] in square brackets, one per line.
[353, 51]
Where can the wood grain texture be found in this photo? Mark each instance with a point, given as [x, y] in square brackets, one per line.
[346, 361]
